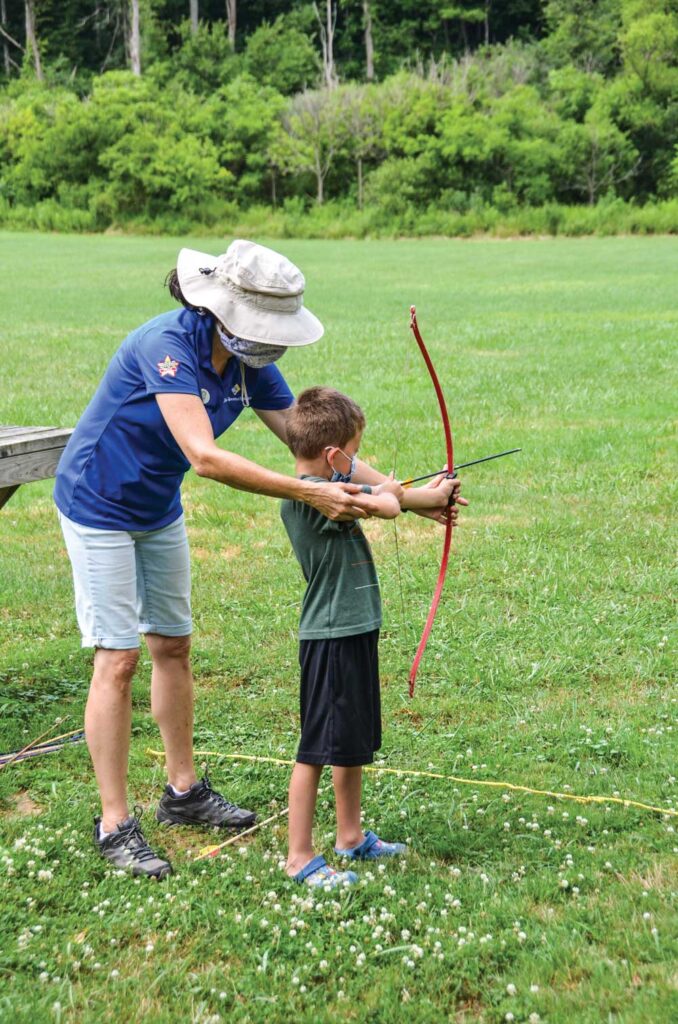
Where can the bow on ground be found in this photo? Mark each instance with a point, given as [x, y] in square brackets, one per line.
[449, 453]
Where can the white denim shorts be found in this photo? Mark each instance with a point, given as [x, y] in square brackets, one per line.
[127, 583]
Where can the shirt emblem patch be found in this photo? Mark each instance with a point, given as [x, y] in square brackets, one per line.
[168, 367]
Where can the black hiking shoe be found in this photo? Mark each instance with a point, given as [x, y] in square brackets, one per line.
[126, 848]
[202, 805]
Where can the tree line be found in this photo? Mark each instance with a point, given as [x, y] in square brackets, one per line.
[174, 114]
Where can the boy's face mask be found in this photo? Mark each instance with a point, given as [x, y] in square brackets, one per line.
[342, 478]
[251, 353]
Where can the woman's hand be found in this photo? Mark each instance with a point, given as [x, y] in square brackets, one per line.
[341, 502]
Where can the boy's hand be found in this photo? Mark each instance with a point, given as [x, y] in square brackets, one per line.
[439, 500]
[443, 491]
[390, 486]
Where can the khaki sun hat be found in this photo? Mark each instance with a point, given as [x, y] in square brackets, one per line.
[255, 292]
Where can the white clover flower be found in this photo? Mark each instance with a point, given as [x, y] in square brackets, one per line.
[511, 989]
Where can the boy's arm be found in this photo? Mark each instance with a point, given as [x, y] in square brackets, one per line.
[381, 504]
[431, 500]
[443, 492]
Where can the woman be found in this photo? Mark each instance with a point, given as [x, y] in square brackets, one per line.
[174, 385]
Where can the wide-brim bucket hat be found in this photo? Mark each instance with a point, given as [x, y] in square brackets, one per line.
[255, 292]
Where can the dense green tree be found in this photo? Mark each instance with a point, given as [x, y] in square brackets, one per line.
[203, 62]
[583, 33]
[244, 120]
[282, 55]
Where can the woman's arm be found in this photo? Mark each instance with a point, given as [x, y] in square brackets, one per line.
[189, 424]
[275, 420]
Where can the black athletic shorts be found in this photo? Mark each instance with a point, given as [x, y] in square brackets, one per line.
[340, 703]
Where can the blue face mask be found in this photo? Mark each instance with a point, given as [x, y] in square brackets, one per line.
[343, 478]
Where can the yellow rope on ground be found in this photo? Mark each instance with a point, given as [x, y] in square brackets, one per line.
[259, 759]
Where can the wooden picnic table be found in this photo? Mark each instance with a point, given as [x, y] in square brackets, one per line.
[28, 453]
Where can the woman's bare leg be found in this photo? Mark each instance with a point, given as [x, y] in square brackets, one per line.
[172, 704]
[108, 720]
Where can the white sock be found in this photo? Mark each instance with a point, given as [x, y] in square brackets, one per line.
[176, 792]
[101, 834]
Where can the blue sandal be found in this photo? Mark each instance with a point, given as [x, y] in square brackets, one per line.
[318, 873]
[371, 848]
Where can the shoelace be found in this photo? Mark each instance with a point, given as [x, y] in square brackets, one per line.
[133, 838]
[207, 793]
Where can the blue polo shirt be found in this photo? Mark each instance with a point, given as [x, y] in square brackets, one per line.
[122, 468]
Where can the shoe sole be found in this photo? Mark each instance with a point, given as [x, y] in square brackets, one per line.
[170, 821]
[136, 872]
[158, 876]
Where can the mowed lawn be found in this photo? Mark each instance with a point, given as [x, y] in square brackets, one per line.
[549, 664]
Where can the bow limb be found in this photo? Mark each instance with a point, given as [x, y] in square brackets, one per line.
[449, 449]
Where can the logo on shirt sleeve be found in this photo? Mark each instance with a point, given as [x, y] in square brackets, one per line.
[168, 367]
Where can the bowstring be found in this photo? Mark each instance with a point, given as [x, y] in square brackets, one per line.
[405, 624]
[397, 546]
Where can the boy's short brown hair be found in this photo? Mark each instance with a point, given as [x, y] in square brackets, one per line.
[320, 418]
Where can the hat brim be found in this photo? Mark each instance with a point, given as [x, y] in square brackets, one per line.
[265, 326]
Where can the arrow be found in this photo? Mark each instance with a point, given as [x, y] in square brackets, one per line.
[462, 465]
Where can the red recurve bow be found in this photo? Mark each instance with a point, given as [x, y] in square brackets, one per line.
[449, 449]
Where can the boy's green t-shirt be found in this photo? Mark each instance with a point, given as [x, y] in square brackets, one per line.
[342, 592]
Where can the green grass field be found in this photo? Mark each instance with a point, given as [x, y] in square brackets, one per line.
[549, 664]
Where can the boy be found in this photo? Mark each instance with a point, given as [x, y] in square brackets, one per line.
[338, 633]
